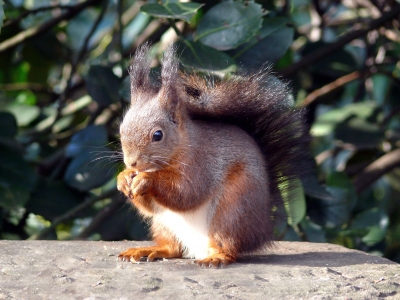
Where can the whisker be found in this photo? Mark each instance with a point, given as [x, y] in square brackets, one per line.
[154, 163]
[181, 171]
[162, 157]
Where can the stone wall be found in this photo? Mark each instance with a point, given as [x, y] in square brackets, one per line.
[291, 270]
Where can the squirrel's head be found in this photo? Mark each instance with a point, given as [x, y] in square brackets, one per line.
[154, 127]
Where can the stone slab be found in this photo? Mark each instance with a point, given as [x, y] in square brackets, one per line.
[290, 270]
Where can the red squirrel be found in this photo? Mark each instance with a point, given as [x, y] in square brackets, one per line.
[204, 160]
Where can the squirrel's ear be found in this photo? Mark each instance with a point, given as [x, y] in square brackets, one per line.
[139, 70]
[169, 93]
[170, 68]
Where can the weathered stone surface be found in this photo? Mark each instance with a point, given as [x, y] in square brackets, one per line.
[90, 270]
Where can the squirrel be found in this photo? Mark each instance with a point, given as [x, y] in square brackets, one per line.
[205, 159]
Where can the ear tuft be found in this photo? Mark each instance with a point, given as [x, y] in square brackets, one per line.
[139, 70]
[169, 93]
[170, 67]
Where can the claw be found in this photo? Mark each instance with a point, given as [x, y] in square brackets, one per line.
[133, 260]
[136, 255]
[218, 260]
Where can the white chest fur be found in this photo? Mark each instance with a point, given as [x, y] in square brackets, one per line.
[191, 229]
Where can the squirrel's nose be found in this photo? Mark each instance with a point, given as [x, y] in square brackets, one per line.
[130, 162]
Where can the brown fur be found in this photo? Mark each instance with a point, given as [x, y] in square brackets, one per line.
[212, 166]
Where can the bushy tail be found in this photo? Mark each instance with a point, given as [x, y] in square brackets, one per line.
[260, 104]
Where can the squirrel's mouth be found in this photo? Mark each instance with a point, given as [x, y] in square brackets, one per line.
[147, 170]
[151, 170]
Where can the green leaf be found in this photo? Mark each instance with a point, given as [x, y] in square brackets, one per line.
[381, 87]
[269, 44]
[63, 123]
[229, 24]
[88, 138]
[339, 63]
[374, 236]
[178, 10]
[79, 27]
[315, 233]
[17, 178]
[102, 85]
[52, 198]
[375, 221]
[203, 58]
[40, 54]
[393, 179]
[26, 98]
[300, 12]
[76, 105]
[359, 132]
[8, 125]
[25, 114]
[313, 188]
[12, 194]
[91, 168]
[134, 29]
[341, 180]
[295, 203]
[326, 123]
[371, 217]
[125, 89]
[330, 213]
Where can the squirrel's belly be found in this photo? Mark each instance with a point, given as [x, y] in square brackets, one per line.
[190, 228]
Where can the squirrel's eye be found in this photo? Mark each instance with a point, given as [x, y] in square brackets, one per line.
[157, 136]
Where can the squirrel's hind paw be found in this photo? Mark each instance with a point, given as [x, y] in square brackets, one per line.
[135, 254]
[216, 260]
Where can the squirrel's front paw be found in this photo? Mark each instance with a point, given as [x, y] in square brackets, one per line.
[124, 182]
[141, 184]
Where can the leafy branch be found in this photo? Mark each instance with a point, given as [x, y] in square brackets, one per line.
[340, 43]
[377, 169]
[35, 11]
[37, 30]
[73, 213]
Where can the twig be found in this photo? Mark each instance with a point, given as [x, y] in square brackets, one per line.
[154, 30]
[17, 86]
[377, 169]
[378, 5]
[74, 65]
[320, 12]
[330, 87]
[102, 215]
[37, 30]
[72, 213]
[177, 31]
[347, 22]
[34, 11]
[83, 50]
[300, 232]
[331, 48]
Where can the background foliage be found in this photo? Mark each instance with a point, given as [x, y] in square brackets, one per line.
[64, 87]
